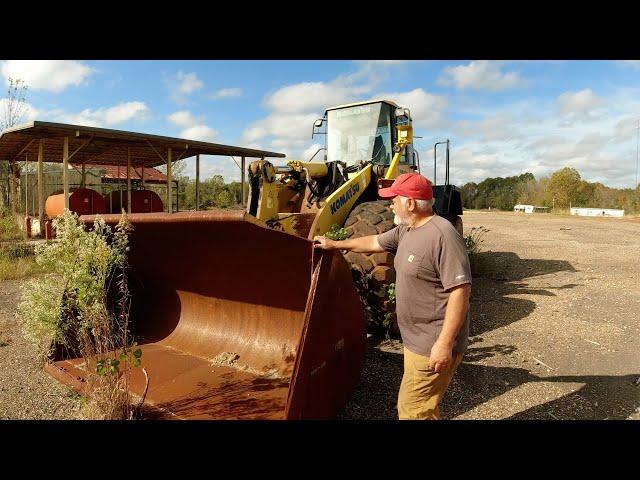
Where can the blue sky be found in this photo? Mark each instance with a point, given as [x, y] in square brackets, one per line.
[503, 117]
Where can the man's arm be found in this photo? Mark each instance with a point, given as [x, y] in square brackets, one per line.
[368, 244]
[454, 318]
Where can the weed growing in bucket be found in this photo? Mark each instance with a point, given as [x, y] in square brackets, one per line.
[67, 309]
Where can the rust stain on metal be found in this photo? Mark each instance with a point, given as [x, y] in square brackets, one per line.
[232, 321]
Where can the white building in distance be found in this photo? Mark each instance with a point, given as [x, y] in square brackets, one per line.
[529, 209]
[597, 212]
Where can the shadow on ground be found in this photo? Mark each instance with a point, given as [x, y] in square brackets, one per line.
[499, 275]
[600, 397]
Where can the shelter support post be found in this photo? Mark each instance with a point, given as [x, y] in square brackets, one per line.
[242, 202]
[169, 180]
[41, 184]
[26, 184]
[65, 171]
[120, 187]
[129, 180]
[197, 182]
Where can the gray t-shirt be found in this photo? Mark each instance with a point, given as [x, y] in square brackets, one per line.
[429, 261]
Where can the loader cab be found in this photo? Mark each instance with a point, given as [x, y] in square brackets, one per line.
[362, 132]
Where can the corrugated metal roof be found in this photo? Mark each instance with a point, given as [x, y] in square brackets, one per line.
[108, 147]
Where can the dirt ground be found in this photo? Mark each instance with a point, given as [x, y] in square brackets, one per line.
[555, 323]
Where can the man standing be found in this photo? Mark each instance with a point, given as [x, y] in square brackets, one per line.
[433, 285]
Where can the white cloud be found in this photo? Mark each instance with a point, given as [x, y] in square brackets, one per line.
[309, 152]
[292, 127]
[627, 128]
[50, 75]
[193, 126]
[313, 96]
[293, 108]
[480, 75]
[225, 93]
[29, 112]
[471, 165]
[199, 132]
[498, 126]
[255, 132]
[427, 110]
[182, 85]
[184, 118]
[307, 97]
[188, 82]
[635, 64]
[530, 136]
[578, 103]
[101, 117]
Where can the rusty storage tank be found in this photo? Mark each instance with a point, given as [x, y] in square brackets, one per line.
[82, 201]
[142, 201]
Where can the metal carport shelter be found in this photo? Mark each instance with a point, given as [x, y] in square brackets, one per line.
[79, 144]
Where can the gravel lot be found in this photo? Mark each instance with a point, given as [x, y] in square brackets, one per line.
[555, 323]
[26, 391]
[555, 330]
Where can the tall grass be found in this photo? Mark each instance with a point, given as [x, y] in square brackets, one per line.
[474, 239]
[9, 229]
[69, 308]
[16, 259]
[12, 268]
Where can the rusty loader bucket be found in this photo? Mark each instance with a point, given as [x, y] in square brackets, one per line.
[236, 321]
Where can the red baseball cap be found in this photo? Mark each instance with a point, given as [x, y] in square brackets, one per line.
[410, 185]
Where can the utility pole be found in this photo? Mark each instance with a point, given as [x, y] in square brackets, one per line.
[637, 136]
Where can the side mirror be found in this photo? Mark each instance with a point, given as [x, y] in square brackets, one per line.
[403, 112]
[317, 124]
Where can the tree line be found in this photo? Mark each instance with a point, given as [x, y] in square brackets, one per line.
[214, 193]
[559, 191]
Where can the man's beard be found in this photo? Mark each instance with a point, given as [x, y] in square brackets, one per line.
[398, 220]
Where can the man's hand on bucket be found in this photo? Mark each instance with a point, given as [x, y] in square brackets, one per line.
[323, 243]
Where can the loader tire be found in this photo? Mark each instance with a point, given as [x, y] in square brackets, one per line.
[373, 273]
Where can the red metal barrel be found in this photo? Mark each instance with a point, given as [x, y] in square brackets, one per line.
[142, 201]
[82, 201]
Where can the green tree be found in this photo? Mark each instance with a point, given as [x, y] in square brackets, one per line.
[564, 185]
[468, 192]
[224, 199]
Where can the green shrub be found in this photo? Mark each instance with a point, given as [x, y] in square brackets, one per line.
[68, 307]
[9, 229]
[337, 233]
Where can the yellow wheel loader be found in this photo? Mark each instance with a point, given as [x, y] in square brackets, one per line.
[237, 316]
[367, 146]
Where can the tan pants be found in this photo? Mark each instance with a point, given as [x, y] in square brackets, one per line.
[421, 390]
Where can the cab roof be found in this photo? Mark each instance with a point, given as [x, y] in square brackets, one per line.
[389, 102]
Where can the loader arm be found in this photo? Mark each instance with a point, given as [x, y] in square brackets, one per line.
[338, 205]
[405, 137]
